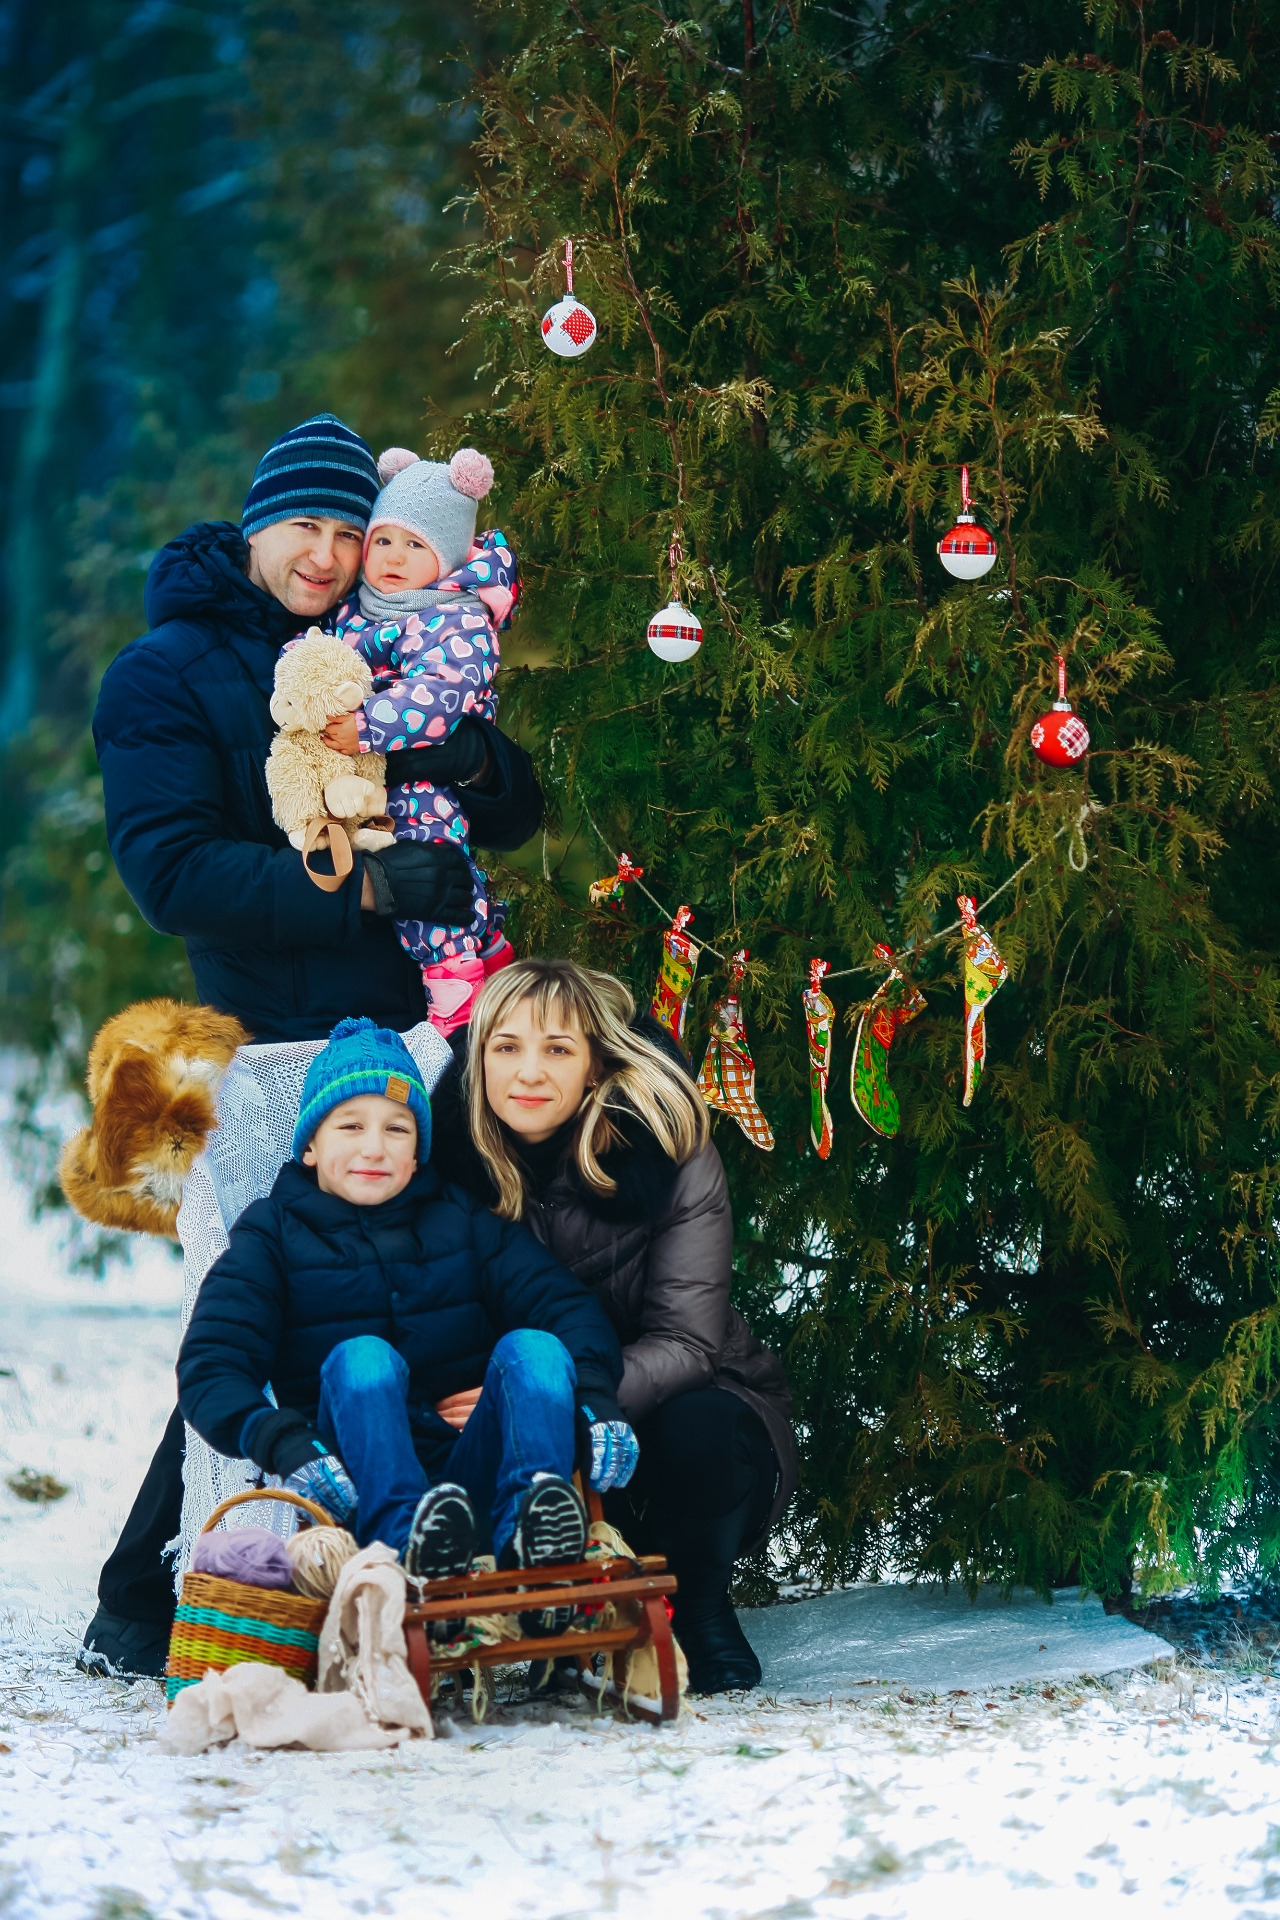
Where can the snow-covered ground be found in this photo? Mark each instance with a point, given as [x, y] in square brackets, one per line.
[1147, 1789]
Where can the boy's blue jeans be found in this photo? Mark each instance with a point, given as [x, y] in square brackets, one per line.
[523, 1424]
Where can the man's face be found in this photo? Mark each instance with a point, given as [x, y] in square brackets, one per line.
[307, 564]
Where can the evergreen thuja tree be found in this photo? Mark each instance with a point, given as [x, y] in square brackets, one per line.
[1034, 1339]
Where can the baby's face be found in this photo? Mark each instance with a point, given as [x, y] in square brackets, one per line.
[399, 561]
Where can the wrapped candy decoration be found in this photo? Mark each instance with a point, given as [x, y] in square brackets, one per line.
[819, 1018]
[984, 974]
[891, 1006]
[608, 891]
[670, 1003]
[728, 1077]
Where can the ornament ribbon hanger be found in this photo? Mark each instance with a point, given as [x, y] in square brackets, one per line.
[674, 633]
[568, 328]
[968, 550]
[1060, 737]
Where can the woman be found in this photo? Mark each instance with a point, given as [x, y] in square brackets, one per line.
[580, 1120]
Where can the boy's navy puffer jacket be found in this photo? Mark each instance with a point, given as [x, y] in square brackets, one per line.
[183, 731]
[433, 1272]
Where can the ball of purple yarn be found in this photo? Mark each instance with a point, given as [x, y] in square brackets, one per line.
[249, 1554]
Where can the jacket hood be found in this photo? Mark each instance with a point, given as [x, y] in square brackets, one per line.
[645, 1175]
[202, 575]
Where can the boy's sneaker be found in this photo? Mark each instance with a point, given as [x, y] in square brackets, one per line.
[551, 1530]
[442, 1540]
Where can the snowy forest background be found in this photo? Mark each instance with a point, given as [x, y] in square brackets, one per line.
[835, 250]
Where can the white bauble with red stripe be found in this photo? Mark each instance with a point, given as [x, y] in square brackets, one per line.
[568, 328]
[674, 633]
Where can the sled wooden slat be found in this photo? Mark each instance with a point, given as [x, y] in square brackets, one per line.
[585, 1584]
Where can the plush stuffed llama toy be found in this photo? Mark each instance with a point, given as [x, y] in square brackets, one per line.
[312, 788]
[154, 1074]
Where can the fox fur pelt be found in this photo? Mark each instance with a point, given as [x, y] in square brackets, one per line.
[153, 1079]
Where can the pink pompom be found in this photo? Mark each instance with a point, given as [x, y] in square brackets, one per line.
[471, 473]
[394, 461]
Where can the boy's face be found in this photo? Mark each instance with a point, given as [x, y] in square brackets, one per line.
[399, 561]
[365, 1151]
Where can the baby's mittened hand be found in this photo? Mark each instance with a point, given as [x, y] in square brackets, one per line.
[350, 797]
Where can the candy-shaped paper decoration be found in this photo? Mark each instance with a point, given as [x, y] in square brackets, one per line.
[1060, 737]
[984, 975]
[670, 1003]
[607, 892]
[819, 1019]
[568, 328]
[967, 551]
[891, 1006]
[727, 1081]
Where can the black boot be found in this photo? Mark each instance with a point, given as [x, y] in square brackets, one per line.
[119, 1649]
[721, 1658]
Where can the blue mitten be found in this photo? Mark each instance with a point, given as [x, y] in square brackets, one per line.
[326, 1481]
[614, 1452]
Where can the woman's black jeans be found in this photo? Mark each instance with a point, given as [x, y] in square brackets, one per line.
[703, 1488]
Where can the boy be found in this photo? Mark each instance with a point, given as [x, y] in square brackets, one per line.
[366, 1292]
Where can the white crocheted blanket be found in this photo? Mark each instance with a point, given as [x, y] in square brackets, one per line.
[257, 1112]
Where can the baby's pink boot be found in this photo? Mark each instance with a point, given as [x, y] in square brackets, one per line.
[497, 954]
[452, 986]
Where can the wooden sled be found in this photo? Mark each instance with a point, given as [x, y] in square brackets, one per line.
[588, 1583]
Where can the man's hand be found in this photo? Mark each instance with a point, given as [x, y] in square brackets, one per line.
[342, 734]
[420, 880]
[460, 761]
[457, 1408]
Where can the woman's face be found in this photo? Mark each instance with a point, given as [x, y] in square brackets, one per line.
[535, 1077]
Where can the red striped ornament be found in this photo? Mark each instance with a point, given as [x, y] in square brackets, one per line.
[968, 550]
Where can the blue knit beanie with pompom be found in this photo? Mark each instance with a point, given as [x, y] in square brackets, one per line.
[361, 1058]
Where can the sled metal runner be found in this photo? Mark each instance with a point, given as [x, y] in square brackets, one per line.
[587, 1583]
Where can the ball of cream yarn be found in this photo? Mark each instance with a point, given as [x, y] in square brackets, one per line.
[319, 1554]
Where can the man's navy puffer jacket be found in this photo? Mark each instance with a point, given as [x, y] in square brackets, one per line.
[433, 1272]
[183, 731]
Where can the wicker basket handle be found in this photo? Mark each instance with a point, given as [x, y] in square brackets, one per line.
[317, 1513]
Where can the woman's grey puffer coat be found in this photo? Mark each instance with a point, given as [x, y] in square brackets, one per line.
[658, 1256]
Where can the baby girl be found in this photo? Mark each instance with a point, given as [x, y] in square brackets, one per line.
[429, 608]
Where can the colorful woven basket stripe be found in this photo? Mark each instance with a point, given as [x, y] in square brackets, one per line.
[222, 1623]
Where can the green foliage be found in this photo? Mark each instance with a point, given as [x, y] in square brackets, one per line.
[1036, 1339]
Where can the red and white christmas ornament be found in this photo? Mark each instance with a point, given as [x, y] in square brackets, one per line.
[968, 551]
[674, 633]
[1060, 738]
[568, 328]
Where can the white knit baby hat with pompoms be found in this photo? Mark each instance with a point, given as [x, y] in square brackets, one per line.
[436, 502]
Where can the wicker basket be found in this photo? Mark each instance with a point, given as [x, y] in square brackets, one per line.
[221, 1622]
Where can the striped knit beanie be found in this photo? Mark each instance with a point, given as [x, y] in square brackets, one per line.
[361, 1058]
[319, 468]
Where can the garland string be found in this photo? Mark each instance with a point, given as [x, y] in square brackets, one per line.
[1077, 859]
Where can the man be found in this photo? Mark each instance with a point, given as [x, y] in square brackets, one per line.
[183, 731]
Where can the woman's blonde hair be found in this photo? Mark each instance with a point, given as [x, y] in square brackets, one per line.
[630, 1073]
